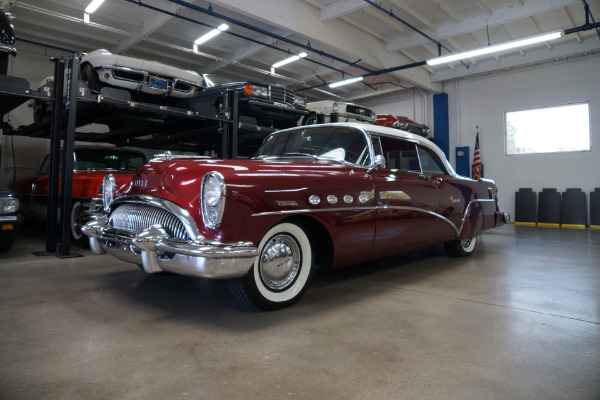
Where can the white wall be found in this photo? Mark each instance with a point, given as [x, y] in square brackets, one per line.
[414, 104]
[483, 101]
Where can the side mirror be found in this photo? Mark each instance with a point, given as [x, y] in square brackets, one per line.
[378, 161]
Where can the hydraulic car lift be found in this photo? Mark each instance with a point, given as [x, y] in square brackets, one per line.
[131, 123]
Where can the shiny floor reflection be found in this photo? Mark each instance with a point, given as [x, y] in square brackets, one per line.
[519, 319]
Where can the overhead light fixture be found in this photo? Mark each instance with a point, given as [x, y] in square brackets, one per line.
[495, 48]
[346, 82]
[289, 60]
[93, 6]
[211, 34]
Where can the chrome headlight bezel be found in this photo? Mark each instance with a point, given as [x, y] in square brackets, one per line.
[212, 199]
[109, 188]
[9, 206]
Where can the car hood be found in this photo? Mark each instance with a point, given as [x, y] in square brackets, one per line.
[103, 57]
[179, 180]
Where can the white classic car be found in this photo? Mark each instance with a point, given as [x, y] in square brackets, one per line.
[101, 67]
[148, 80]
[337, 111]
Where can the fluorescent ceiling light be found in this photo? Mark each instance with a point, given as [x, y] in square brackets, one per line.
[346, 82]
[93, 6]
[495, 48]
[289, 60]
[211, 34]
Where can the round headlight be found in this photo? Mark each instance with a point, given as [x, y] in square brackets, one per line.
[212, 199]
[334, 107]
[212, 191]
[11, 206]
[108, 191]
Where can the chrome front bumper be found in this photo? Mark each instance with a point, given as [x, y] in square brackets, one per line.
[155, 252]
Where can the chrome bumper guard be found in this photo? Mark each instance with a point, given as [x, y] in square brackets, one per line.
[155, 252]
[502, 218]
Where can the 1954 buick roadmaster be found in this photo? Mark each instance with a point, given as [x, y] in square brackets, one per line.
[328, 195]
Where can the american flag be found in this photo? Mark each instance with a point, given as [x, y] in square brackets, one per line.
[476, 159]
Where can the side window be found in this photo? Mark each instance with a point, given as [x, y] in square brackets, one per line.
[430, 162]
[400, 154]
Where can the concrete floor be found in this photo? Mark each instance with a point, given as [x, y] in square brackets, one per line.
[518, 320]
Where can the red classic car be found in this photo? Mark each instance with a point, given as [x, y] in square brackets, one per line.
[402, 123]
[90, 164]
[329, 195]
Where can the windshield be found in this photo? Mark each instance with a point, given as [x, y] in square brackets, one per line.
[216, 80]
[344, 144]
[107, 159]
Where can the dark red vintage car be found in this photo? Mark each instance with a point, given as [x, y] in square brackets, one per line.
[329, 195]
[89, 167]
[402, 123]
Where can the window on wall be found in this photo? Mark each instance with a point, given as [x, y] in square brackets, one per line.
[548, 130]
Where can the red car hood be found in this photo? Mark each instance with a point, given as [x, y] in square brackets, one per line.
[179, 180]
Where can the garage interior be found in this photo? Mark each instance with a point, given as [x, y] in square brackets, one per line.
[518, 319]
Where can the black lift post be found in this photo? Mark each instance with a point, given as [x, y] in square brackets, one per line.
[67, 157]
[53, 178]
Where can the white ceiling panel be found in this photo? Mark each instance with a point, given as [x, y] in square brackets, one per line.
[343, 38]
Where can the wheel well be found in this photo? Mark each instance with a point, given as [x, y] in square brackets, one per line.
[319, 238]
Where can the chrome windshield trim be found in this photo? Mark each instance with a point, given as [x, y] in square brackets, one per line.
[182, 214]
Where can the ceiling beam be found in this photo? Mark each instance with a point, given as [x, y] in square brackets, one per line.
[449, 11]
[304, 20]
[242, 52]
[561, 50]
[340, 8]
[149, 26]
[498, 17]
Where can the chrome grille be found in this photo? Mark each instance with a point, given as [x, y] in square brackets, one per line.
[282, 95]
[134, 218]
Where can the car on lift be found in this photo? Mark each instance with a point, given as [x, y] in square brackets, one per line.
[145, 80]
[7, 41]
[402, 123]
[328, 195]
[9, 206]
[90, 165]
[326, 111]
[263, 104]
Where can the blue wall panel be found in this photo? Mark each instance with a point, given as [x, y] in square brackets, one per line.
[441, 123]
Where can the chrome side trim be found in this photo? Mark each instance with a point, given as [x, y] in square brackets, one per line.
[456, 229]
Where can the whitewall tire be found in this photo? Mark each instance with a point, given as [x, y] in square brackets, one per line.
[461, 248]
[280, 272]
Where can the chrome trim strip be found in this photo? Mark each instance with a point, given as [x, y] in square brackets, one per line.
[457, 230]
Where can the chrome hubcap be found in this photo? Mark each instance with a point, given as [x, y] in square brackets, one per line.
[466, 243]
[280, 262]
